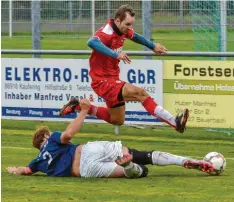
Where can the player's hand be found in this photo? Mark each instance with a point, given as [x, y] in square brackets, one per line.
[84, 104]
[160, 49]
[125, 160]
[12, 170]
[124, 57]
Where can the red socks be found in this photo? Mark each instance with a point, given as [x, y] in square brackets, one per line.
[101, 113]
[149, 104]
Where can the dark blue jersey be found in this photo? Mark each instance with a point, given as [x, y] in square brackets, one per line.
[55, 158]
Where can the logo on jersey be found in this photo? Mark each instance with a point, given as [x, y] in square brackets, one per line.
[118, 50]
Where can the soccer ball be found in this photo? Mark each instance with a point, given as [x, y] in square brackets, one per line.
[217, 160]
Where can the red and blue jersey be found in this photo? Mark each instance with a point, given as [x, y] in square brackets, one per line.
[101, 65]
[55, 158]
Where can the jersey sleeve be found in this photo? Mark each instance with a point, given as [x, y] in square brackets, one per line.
[33, 165]
[56, 136]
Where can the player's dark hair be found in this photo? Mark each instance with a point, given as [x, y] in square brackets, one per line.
[122, 10]
[38, 136]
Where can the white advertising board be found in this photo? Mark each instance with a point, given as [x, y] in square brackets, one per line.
[35, 89]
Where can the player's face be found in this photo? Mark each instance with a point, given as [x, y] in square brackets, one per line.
[126, 24]
[45, 138]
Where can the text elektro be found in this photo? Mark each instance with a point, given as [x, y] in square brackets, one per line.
[46, 74]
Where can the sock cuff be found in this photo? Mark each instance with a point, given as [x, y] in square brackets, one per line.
[147, 100]
[92, 110]
[149, 104]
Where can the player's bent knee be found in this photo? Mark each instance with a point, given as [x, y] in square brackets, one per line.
[141, 94]
[136, 171]
[141, 91]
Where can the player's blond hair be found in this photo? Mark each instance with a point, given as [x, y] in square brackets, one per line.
[122, 10]
[38, 136]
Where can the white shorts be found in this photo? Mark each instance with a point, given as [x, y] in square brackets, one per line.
[98, 158]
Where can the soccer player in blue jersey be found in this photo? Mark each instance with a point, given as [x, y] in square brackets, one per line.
[59, 157]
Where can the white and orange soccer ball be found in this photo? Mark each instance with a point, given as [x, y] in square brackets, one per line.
[217, 160]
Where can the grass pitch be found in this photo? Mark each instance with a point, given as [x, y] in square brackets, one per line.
[163, 184]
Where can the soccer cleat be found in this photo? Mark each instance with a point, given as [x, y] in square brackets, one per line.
[203, 166]
[125, 160]
[181, 121]
[69, 107]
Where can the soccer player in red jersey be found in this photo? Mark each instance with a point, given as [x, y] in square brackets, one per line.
[107, 45]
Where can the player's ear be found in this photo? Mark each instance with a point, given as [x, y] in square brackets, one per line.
[117, 20]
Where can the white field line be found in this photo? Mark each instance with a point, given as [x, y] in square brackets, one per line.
[16, 148]
[27, 148]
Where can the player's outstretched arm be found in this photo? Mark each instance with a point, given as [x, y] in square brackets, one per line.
[19, 170]
[155, 47]
[97, 45]
[75, 126]
[137, 38]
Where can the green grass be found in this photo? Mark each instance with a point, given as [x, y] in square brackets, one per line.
[174, 41]
[164, 184]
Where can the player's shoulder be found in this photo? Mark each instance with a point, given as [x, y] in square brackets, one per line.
[55, 136]
[56, 133]
[106, 29]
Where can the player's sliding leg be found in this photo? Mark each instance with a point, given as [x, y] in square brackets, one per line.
[73, 105]
[203, 166]
[164, 159]
[132, 170]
